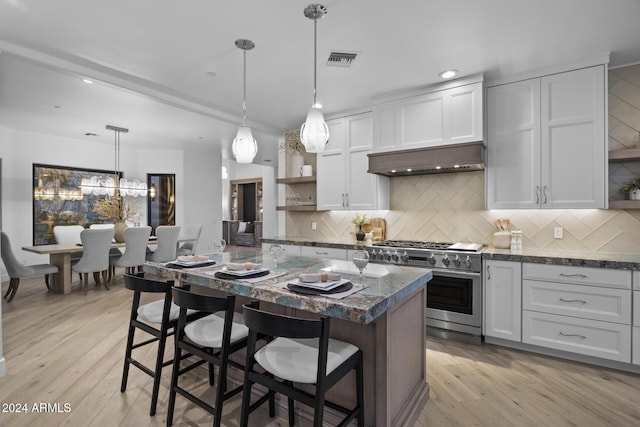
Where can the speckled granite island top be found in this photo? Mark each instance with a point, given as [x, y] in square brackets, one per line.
[324, 242]
[387, 285]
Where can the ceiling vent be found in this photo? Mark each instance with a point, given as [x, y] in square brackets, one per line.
[341, 59]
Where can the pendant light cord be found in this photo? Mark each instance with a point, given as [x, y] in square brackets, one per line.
[244, 91]
[315, 61]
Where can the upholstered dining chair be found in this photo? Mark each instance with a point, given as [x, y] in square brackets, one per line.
[189, 248]
[96, 244]
[136, 240]
[167, 244]
[69, 234]
[17, 270]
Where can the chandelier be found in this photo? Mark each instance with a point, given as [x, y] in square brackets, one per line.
[106, 185]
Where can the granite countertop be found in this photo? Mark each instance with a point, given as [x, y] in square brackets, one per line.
[387, 285]
[616, 260]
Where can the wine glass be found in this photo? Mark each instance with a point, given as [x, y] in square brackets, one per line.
[361, 259]
[219, 245]
[276, 253]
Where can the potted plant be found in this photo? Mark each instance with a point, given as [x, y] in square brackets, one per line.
[292, 143]
[632, 187]
[359, 220]
[117, 209]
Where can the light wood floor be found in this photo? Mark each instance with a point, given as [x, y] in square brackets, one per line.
[69, 349]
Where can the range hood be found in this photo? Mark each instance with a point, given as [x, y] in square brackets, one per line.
[462, 157]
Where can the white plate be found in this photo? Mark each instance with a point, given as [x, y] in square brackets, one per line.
[191, 263]
[241, 273]
[323, 286]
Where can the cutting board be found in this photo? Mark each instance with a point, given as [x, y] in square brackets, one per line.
[378, 226]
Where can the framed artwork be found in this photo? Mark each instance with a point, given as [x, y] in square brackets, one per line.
[65, 196]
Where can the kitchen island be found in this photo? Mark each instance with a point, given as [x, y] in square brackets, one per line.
[385, 320]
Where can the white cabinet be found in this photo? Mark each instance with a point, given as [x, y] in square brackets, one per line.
[289, 250]
[502, 299]
[547, 143]
[636, 325]
[321, 252]
[343, 182]
[578, 309]
[439, 117]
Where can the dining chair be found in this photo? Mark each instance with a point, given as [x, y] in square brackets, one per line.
[189, 248]
[136, 240]
[69, 234]
[212, 339]
[96, 244]
[113, 252]
[16, 270]
[158, 319]
[167, 244]
[302, 353]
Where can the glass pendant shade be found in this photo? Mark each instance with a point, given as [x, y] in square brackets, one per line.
[314, 133]
[244, 146]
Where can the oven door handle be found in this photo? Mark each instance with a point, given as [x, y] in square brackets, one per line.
[456, 273]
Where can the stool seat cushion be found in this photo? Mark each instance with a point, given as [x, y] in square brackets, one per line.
[207, 331]
[297, 359]
[152, 312]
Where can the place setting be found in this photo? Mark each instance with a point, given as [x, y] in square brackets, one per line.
[191, 261]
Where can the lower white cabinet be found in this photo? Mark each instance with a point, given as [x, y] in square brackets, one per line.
[588, 337]
[502, 299]
[578, 309]
[636, 322]
[320, 252]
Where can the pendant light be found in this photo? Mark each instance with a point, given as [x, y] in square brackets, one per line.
[314, 133]
[244, 146]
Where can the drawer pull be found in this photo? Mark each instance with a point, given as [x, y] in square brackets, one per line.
[573, 335]
[573, 300]
[574, 275]
[322, 253]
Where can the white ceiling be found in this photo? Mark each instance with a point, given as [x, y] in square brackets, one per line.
[151, 60]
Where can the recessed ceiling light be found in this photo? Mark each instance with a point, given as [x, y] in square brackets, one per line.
[438, 167]
[409, 170]
[456, 166]
[448, 74]
[393, 171]
[87, 81]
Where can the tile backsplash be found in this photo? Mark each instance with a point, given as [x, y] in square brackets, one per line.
[450, 207]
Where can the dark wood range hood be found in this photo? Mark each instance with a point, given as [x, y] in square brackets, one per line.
[462, 157]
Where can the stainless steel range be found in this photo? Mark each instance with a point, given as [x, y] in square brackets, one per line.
[454, 295]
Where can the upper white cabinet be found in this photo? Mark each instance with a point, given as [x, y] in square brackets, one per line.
[343, 182]
[439, 117]
[547, 144]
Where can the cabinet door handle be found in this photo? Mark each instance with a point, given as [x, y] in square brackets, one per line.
[342, 199]
[537, 194]
[574, 275]
[347, 199]
[488, 273]
[322, 253]
[573, 300]
[544, 194]
[582, 337]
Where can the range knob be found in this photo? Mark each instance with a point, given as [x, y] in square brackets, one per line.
[387, 255]
[446, 260]
[456, 261]
[404, 257]
[467, 262]
[395, 256]
[432, 259]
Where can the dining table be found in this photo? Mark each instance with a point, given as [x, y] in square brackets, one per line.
[60, 256]
[383, 313]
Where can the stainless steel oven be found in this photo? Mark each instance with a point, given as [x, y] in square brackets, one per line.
[454, 294]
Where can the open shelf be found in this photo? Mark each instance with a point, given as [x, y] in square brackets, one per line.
[296, 180]
[627, 155]
[302, 208]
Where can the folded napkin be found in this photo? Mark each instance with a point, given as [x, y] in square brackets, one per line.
[237, 266]
[318, 277]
